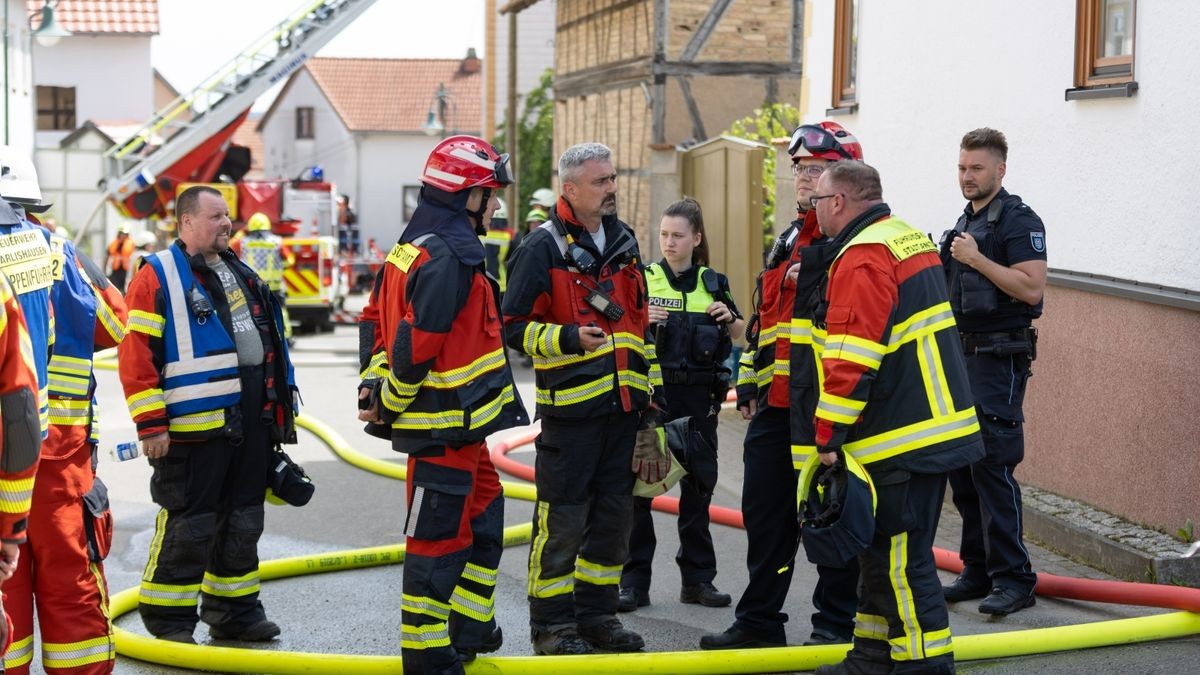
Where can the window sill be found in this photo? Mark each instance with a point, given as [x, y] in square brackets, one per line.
[843, 110]
[1123, 90]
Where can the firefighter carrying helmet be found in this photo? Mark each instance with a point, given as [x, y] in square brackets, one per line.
[826, 140]
[543, 197]
[258, 222]
[463, 162]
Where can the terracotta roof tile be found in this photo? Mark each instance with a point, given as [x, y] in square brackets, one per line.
[396, 94]
[137, 17]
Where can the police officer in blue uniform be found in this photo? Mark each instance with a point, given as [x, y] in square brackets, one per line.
[995, 261]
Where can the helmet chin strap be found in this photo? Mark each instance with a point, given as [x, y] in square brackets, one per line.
[478, 214]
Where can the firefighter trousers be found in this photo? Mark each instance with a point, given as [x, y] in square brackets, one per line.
[61, 571]
[901, 605]
[455, 535]
[769, 512]
[582, 519]
[696, 558]
[206, 533]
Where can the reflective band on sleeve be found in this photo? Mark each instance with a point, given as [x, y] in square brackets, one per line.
[146, 401]
[838, 409]
[76, 654]
[16, 495]
[19, 653]
[231, 587]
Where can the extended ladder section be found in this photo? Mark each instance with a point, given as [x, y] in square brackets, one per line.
[188, 121]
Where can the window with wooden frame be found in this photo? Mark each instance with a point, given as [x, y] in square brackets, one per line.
[55, 108]
[1104, 43]
[845, 56]
[304, 123]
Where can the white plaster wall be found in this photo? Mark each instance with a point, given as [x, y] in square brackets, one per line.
[332, 146]
[1113, 179]
[535, 53]
[112, 76]
[18, 126]
[389, 163]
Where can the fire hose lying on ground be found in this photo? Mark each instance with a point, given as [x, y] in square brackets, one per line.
[966, 647]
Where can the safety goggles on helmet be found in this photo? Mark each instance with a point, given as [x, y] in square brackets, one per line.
[502, 174]
[816, 139]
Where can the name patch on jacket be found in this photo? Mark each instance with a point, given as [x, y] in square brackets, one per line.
[909, 244]
[25, 259]
[668, 303]
[403, 256]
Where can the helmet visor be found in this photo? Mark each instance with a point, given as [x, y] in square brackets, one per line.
[816, 139]
[502, 174]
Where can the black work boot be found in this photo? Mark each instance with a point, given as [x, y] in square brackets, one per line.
[1003, 601]
[493, 642]
[703, 594]
[966, 588]
[632, 598]
[868, 657]
[259, 631]
[737, 638]
[611, 636]
[562, 641]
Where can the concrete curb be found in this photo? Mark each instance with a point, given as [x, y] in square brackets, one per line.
[1107, 542]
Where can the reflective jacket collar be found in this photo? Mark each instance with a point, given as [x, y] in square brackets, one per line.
[854, 227]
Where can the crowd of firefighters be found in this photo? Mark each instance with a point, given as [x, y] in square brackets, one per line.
[877, 362]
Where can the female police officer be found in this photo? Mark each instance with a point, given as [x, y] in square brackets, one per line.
[696, 322]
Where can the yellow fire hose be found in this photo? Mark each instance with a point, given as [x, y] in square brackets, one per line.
[229, 659]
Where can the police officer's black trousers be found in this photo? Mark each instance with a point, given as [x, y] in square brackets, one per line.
[769, 512]
[986, 493]
[581, 520]
[696, 558]
[206, 534]
[901, 611]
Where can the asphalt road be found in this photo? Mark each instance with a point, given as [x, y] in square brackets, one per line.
[358, 612]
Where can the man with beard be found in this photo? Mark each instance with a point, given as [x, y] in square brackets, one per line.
[995, 260]
[577, 304]
[209, 384]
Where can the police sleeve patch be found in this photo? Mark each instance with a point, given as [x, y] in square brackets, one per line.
[1038, 241]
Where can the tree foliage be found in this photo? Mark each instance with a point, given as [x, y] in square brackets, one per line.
[769, 122]
[535, 141]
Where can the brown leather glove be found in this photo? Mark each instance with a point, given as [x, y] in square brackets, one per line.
[651, 461]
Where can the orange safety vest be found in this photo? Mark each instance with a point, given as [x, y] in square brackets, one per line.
[119, 253]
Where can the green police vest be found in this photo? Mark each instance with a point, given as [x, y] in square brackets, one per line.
[690, 344]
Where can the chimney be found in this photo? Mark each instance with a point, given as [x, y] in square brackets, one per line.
[471, 64]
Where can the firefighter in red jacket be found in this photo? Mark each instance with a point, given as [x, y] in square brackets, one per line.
[577, 304]
[775, 391]
[896, 397]
[22, 437]
[436, 382]
[70, 524]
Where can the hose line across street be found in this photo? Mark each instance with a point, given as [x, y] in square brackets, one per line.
[966, 647]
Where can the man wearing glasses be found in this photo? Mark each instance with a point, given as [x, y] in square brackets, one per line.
[776, 392]
[995, 260]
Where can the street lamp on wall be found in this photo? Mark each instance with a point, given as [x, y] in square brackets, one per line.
[435, 122]
[50, 31]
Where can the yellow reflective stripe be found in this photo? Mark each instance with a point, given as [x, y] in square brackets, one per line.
[417, 604]
[781, 368]
[629, 378]
[549, 339]
[70, 412]
[550, 362]
[578, 394]
[918, 435]
[938, 642]
[201, 421]
[169, 595]
[75, 654]
[429, 420]
[108, 318]
[925, 322]
[397, 395]
[538, 587]
[542, 339]
[473, 605]
[933, 375]
[838, 409]
[377, 368]
[871, 627]
[19, 653]
[855, 350]
[766, 336]
[909, 646]
[457, 377]
[597, 574]
[630, 341]
[801, 332]
[16, 495]
[160, 527]
[65, 385]
[484, 414]
[801, 454]
[146, 401]
[746, 373]
[70, 365]
[424, 637]
[147, 323]
[231, 587]
[480, 575]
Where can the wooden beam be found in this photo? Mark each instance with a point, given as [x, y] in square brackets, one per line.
[707, 24]
[685, 86]
[676, 68]
[797, 42]
[592, 16]
[615, 75]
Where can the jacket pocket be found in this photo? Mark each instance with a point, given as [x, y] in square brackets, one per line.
[168, 483]
[97, 521]
[435, 506]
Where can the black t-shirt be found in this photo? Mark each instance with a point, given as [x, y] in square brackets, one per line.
[1018, 236]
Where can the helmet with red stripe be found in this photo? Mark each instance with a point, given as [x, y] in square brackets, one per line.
[463, 162]
[826, 140]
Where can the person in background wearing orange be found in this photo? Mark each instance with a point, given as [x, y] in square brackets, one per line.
[119, 257]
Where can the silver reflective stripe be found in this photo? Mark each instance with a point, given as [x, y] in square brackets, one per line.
[875, 448]
[835, 409]
[210, 585]
[414, 512]
[425, 606]
[917, 327]
[204, 364]
[935, 379]
[179, 306]
[841, 346]
[480, 575]
[53, 654]
[192, 392]
[188, 594]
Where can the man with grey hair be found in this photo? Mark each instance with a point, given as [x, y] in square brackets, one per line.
[576, 303]
[895, 397]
